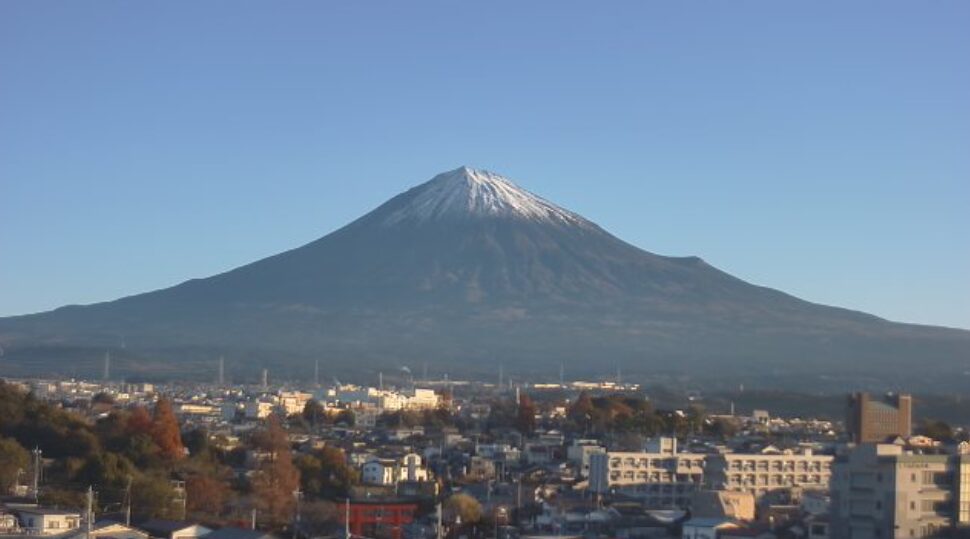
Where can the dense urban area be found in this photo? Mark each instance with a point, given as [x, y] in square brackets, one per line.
[430, 459]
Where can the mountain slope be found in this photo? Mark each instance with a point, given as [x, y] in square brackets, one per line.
[469, 268]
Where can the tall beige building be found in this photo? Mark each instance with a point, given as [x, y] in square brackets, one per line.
[875, 420]
[882, 491]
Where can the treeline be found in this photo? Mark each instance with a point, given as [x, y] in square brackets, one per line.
[616, 414]
[169, 473]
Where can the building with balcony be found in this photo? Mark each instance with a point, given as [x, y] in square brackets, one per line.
[664, 478]
[884, 491]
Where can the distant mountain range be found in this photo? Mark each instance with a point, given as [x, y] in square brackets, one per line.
[468, 271]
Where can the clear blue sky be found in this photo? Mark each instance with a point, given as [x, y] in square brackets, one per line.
[821, 148]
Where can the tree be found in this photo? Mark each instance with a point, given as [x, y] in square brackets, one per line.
[525, 420]
[464, 506]
[152, 496]
[102, 398]
[314, 413]
[581, 410]
[205, 494]
[165, 431]
[346, 418]
[13, 460]
[317, 517]
[695, 418]
[938, 430]
[724, 428]
[139, 422]
[325, 473]
[277, 478]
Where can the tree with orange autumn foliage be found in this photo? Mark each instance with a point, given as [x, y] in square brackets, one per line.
[138, 422]
[165, 431]
[277, 478]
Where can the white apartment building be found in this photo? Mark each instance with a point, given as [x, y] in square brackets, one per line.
[258, 409]
[391, 471]
[293, 402]
[387, 400]
[660, 476]
[761, 474]
[664, 478]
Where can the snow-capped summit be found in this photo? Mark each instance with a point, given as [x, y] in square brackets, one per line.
[468, 192]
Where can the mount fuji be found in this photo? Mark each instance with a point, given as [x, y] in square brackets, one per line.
[465, 272]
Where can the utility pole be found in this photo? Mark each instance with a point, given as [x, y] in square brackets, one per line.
[128, 502]
[90, 513]
[296, 517]
[347, 519]
[37, 465]
[439, 531]
[222, 371]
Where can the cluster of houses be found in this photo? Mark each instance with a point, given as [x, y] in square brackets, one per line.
[775, 478]
[24, 519]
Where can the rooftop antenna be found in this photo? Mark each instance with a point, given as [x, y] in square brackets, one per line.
[380, 380]
[316, 373]
[106, 375]
[619, 375]
[424, 375]
[562, 373]
[500, 377]
[265, 379]
[222, 371]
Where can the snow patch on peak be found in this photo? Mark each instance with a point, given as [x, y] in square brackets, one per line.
[466, 192]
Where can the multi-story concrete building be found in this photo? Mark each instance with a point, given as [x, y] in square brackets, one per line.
[870, 420]
[761, 474]
[579, 452]
[883, 491]
[665, 478]
[386, 400]
[293, 402]
[660, 476]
